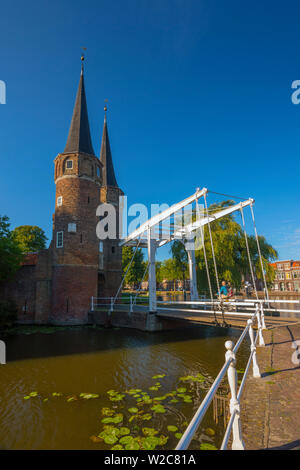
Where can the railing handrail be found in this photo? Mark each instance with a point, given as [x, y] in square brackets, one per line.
[239, 394]
[230, 361]
[198, 416]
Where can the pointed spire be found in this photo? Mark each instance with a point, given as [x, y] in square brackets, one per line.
[79, 138]
[108, 172]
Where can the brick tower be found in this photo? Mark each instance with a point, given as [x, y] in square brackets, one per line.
[75, 246]
[110, 272]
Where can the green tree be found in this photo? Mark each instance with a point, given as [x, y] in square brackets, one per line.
[170, 270]
[137, 267]
[231, 252]
[10, 253]
[180, 257]
[29, 238]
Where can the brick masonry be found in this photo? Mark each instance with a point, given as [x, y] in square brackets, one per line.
[56, 285]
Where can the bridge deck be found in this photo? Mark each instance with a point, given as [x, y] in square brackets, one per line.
[232, 319]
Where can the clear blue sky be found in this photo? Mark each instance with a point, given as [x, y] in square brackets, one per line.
[199, 95]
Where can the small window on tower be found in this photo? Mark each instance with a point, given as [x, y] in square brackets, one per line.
[59, 201]
[112, 249]
[72, 228]
[101, 247]
[98, 172]
[69, 164]
[59, 239]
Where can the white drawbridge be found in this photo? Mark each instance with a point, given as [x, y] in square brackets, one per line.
[153, 234]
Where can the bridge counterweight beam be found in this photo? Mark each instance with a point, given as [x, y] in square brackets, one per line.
[152, 273]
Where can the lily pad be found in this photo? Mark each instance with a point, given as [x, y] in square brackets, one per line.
[88, 396]
[146, 416]
[158, 409]
[159, 398]
[110, 439]
[124, 431]
[133, 410]
[107, 412]
[172, 428]
[149, 431]
[126, 440]
[159, 376]
[210, 432]
[178, 435]
[150, 442]
[117, 447]
[134, 445]
[206, 446]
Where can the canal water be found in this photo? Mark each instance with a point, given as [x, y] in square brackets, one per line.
[56, 365]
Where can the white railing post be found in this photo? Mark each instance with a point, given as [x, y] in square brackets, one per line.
[92, 303]
[111, 304]
[237, 440]
[260, 335]
[131, 305]
[262, 317]
[152, 274]
[256, 372]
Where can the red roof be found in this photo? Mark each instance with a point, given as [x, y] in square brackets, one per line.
[294, 264]
[30, 259]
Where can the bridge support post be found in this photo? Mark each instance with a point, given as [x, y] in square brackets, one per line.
[262, 317]
[152, 274]
[256, 372]
[260, 335]
[237, 439]
[190, 249]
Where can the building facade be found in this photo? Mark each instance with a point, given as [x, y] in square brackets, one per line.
[287, 277]
[56, 285]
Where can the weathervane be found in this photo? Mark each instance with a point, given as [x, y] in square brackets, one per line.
[105, 106]
[82, 57]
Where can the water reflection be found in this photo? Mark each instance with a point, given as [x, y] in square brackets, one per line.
[87, 360]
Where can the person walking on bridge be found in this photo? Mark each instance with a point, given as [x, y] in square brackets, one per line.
[224, 290]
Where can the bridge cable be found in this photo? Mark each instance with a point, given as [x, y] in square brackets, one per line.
[214, 258]
[248, 252]
[266, 296]
[206, 263]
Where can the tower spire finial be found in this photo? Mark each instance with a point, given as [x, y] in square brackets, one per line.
[82, 59]
[79, 138]
[105, 108]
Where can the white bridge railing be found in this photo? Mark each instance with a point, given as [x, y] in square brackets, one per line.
[234, 424]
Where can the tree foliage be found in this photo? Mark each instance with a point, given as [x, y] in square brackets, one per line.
[10, 252]
[29, 238]
[137, 267]
[230, 253]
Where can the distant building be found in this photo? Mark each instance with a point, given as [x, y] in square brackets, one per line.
[287, 276]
